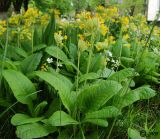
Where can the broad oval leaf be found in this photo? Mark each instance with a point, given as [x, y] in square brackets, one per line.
[35, 130]
[21, 52]
[106, 112]
[20, 119]
[57, 53]
[144, 92]
[100, 122]
[39, 108]
[60, 118]
[122, 74]
[30, 63]
[39, 47]
[89, 76]
[95, 96]
[134, 134]
[21, 86]
[60, 83]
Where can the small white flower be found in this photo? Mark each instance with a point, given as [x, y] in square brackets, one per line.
[117, 63]
[59, 65]
[109, 53]
[108, 59]
[78, 19]
[71, 3]
[64, 20]
[50, 60]
[155, 50]
[113, 61]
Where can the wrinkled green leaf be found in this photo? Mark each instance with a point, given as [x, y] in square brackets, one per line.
[106, 112]
[60, 118]
[123, 74]
[60, 83]
[39, 108]
[57, 53]
[20, 119]
[34, 130]
[100, 122]
[31, 63]
[21, 86]
[95, 96]
[134, 134]
[143, 92]
[89, 76]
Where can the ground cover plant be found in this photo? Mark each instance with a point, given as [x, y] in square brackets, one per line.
[92, 75]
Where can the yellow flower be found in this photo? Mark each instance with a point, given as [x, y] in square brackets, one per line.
[88, 44]
[59, 38]
[112, 12]
[30, 16]
[81, 36]
[126, 37]
[111, 40]
[104, 29]
[44, 19]
[100, 8]
[56, 12]
[13, 32]
[65, 37]
[2, 27]
[25, 33]
[2, 22]
[99, 46]
[91, 26]
[44, 67]
[2, 30]
[102, 45]
[15, 19]
[81, 26]
[125, 21]
[128, 45]
[82, 45]
[133, 27]
[31, 13]
[84, 15]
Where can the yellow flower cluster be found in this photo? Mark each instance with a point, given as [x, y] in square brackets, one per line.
[59, 38]
[30, 16]
[83, 43]
[126, 37]
[92, 25]
[22, 24]
[125, 21]
[2, 27]
[104, 29]
[111, 39]
[102, 45]
[96, 27]
[44, 67]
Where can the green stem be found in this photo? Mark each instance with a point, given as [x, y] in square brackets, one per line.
[82, 131]
[57, 61]
[32, 39]
[110, 131]
[18, 39]
[4, 55]
[77, 81]
[90, 57]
